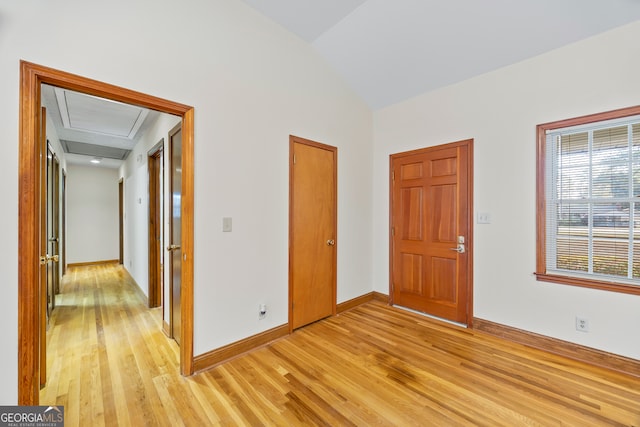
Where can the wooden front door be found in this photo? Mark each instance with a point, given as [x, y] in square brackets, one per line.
[312, 231]
[431, 230]
[175, 236]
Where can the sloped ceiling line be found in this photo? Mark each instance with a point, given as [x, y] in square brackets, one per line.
[391, 50]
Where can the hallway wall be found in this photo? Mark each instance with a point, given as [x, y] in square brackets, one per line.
[92, 214]
[135, 172]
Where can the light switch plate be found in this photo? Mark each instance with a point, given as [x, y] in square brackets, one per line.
[484, 218]
[226, 224]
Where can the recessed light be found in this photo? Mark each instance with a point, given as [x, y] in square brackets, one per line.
[96, 160]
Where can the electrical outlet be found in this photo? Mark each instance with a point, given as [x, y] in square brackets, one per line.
[227, 224]
[262, 311]
[582, 324]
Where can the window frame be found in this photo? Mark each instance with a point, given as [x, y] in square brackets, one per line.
[541, 204]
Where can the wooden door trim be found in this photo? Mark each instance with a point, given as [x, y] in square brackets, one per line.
[32, 76]
[155, 273]
[292, 141]
[468, 143]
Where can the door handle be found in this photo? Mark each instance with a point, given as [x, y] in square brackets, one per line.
[460, 249]
[173, 247]
[331, 242]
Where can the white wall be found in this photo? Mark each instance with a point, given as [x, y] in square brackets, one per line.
[252, 85]
[92, 214]
[135, 172]
[500, 110]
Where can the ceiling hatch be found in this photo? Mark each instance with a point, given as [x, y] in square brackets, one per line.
[88, 113]
[100, 151]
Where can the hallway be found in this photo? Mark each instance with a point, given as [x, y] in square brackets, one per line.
[108, 360]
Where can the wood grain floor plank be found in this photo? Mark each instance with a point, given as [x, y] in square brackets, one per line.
[111, 364]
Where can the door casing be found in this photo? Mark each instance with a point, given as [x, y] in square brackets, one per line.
[32, 76]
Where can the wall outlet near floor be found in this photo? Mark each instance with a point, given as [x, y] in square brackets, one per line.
[262, 311]
[582, 324]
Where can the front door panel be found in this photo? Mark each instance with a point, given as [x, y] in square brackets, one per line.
[431, 231]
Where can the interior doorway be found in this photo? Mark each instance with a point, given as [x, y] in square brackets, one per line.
[156, 224]
[30, 270]
[312, 231]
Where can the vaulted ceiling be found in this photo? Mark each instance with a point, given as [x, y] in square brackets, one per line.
[386, 50]
[392, 50]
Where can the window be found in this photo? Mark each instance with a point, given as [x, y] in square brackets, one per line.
[589, 201]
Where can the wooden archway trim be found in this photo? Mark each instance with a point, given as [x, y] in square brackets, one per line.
[32, 76]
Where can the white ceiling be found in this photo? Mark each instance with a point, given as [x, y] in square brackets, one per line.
[90, 127]
[392, 50]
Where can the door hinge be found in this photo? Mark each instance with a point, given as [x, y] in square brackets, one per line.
[393, 231]
[294, 159]
[393, 176]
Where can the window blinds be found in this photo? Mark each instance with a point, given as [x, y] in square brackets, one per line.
[592, 191]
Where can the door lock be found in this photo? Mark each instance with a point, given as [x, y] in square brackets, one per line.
[331, 242]
[45, 259]
[460, 249]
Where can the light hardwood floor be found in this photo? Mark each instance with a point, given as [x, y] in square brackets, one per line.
[110, 364]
